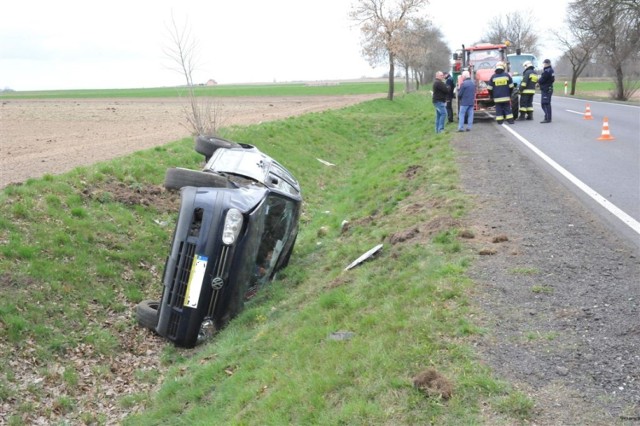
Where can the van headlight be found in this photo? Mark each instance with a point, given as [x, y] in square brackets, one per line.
[232, 226]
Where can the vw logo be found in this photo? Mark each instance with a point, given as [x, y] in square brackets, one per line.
[217, 283]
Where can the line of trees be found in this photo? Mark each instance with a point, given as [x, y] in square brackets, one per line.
[602, 32]
[395, 34]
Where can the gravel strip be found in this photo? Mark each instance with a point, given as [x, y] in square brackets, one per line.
[558, 289]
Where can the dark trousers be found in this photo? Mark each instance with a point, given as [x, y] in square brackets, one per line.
[526, 104]
[545, 101]
[449, 111]
[503, 112]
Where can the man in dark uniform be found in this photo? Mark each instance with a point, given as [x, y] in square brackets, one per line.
[449, 82]
[500, 88]
[527, 90]
[546, 89]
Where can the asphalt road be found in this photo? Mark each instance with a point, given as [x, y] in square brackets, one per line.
[605, 174]
[565, 332]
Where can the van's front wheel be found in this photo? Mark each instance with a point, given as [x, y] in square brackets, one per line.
[147, 313]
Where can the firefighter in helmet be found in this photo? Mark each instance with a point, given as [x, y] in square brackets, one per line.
[500, 89]
[527, 90]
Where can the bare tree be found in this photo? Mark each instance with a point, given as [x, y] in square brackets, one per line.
[516, 27]
[409, 52]
[380, 27]
[616, 24]
[422, 51]
[201, 113]
[437, 57]
[413, 44]
[579, 45]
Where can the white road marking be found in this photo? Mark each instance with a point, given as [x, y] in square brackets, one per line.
[574, 112]
[612, 208]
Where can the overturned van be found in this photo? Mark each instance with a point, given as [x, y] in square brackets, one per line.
[236, 228]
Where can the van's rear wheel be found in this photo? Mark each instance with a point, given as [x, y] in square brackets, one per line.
[177, 177]
[207, 145]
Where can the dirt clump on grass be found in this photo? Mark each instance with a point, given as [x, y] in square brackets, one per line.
[156, 196]
[433, 384]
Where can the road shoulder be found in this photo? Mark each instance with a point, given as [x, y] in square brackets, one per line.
[556, 288]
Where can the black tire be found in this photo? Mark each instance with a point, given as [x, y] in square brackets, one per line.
[207, 145]
[515, 105]
[177, 177]
[147, 313]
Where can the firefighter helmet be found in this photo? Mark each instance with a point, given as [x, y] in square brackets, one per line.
[527, 64]
[500, 66]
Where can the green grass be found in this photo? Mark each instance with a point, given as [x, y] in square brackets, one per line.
[525, 271]
[283, 89]
[591, 88]
[76, 256]
[594, 86]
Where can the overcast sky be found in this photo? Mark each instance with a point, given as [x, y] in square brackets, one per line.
[70, 44]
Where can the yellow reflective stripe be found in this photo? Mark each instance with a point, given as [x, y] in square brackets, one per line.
[529, 91]
[506, 99]
[501, 81]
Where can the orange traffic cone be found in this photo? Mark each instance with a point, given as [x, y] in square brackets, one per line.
[606, 136]
[587, 113]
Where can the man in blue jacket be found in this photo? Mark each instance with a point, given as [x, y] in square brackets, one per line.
[546, 89]
[466, 99]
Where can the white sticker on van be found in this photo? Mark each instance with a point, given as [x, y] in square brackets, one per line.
[196, 278]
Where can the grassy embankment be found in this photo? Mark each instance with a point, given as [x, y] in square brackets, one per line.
[75, 259]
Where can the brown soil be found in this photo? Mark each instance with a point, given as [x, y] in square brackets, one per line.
[56, 135]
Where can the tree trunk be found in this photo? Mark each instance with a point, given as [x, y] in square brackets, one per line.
[392, 71]
[407, 88]
[619, 83]
[574, 80]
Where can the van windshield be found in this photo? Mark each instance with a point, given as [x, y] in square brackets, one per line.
[517, 62]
